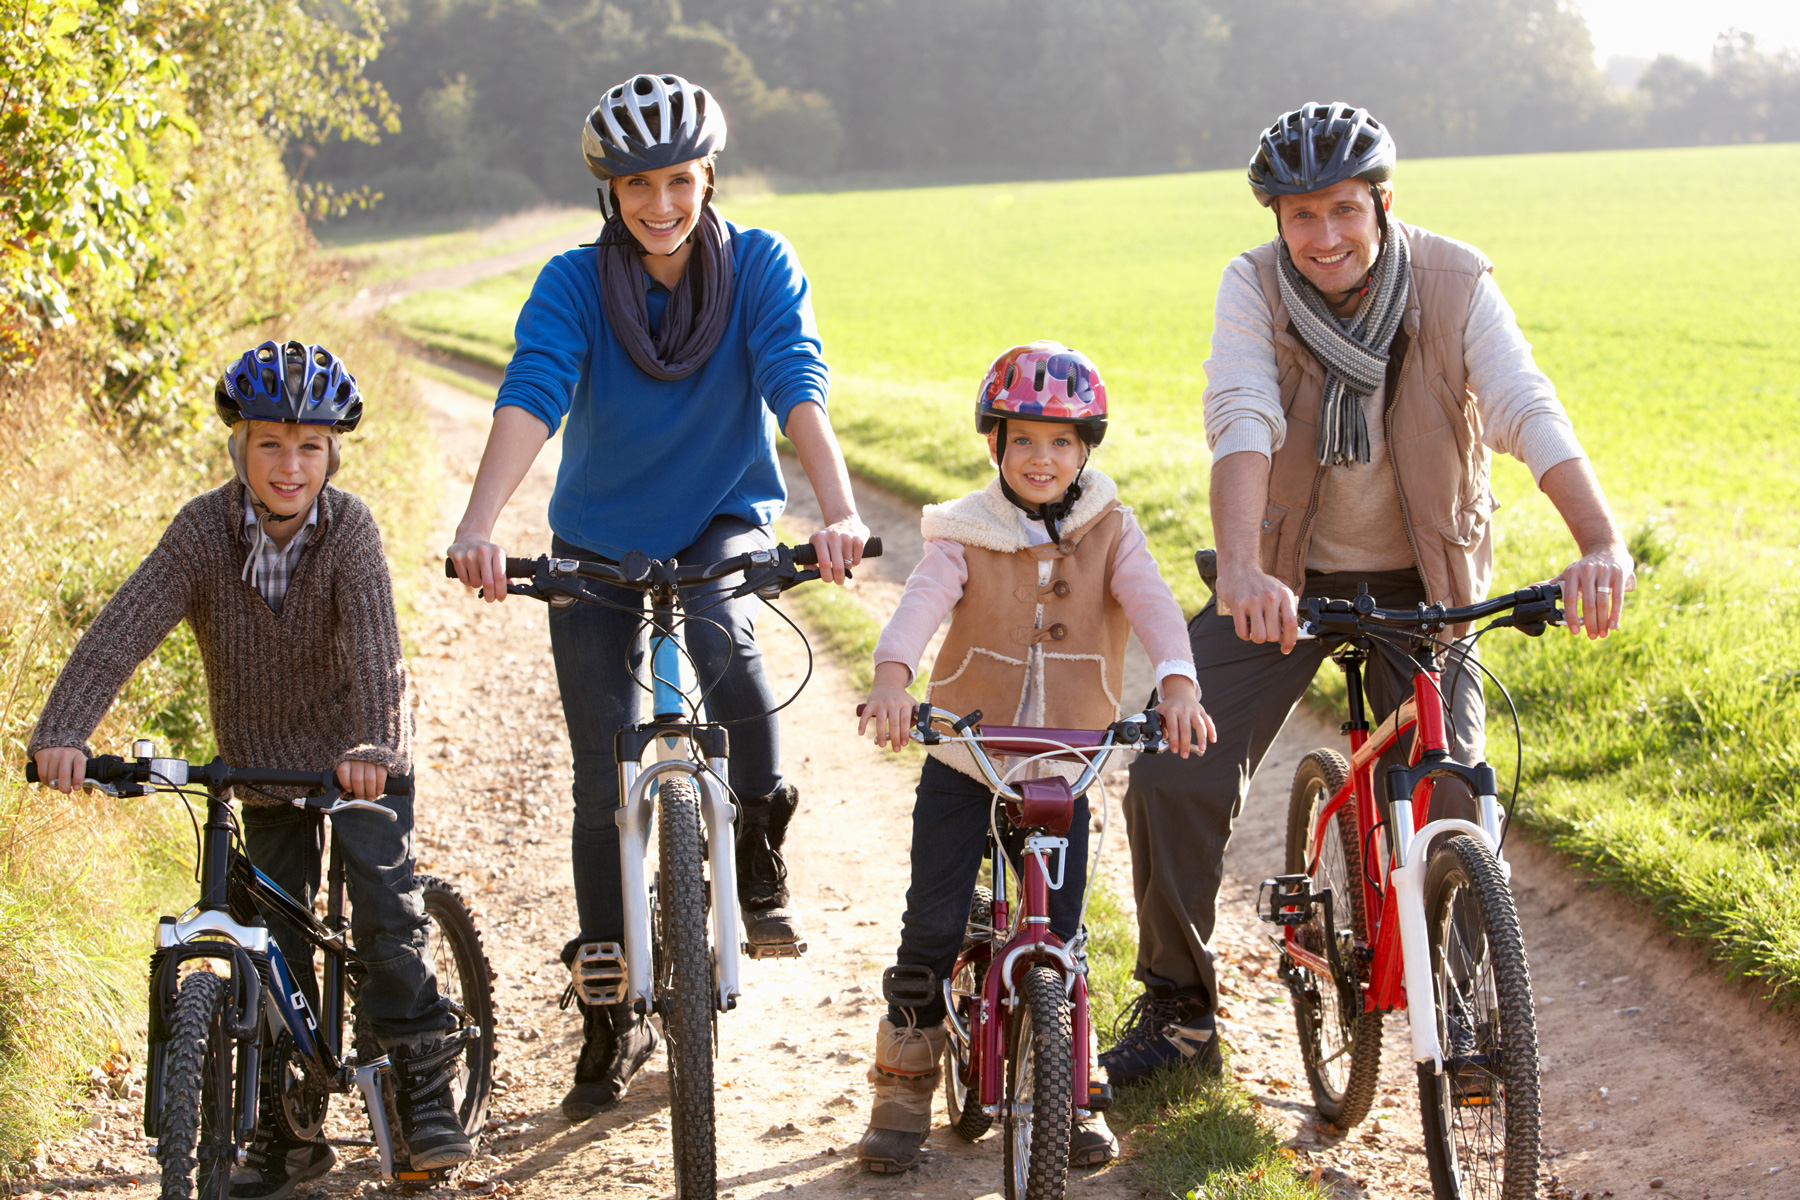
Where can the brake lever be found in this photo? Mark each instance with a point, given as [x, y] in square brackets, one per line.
[346, 804]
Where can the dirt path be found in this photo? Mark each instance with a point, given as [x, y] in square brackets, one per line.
[1660, 1078]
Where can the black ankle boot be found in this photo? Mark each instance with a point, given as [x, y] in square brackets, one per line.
[771, 926]
[429, 1124]
[616, 1045]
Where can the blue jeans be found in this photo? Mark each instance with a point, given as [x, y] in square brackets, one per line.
[601, 668]
[387, 910]
[950, 829]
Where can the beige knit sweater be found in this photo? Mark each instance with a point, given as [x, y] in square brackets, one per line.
[304, 689]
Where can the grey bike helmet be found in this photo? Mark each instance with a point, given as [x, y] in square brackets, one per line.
[649, 122]
[1318, 145]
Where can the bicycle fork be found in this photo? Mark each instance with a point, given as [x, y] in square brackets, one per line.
[634, 818]
[1408, 881]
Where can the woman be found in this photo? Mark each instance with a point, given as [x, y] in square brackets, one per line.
[675, 347]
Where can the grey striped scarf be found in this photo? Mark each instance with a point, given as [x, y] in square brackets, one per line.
[1355, 359]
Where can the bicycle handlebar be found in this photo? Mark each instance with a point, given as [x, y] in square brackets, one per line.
[134, 777]
[1529, 610]
[778, 568]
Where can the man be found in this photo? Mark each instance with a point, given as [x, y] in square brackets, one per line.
[1362, 372]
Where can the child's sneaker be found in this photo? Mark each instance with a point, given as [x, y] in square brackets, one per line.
[1164, 1029]
[905, 1075]
[274, 1167]
[429, 1126]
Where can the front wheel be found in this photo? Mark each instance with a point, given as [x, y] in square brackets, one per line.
[1482, 1117]
[684, 991]
[196, 1146]
[465, 979]
[1340, 1042]
[1040, 1081]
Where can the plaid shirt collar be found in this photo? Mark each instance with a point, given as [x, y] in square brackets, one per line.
[272, 566]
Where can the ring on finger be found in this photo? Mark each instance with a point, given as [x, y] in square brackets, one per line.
[1602, 589]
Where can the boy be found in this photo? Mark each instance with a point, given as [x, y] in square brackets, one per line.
[283, 582]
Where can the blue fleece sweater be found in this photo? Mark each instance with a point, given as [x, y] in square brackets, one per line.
[648, 463]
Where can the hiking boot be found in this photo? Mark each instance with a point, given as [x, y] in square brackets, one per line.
[1091, 1143]
[617, 1043]
[429, 1124]
[1163, 1028]
[771, 926]
[905, 1075]
[274, 1167]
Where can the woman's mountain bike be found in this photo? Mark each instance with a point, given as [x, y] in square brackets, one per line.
[1018, 998]
[1385, 906]
[236, 1050]
[669, 966]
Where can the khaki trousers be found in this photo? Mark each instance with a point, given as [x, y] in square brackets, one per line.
[1179, 812]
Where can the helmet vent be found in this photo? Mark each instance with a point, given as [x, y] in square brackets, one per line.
[1071, 383]
[1037, 380]
[318, 388]
[270, 383]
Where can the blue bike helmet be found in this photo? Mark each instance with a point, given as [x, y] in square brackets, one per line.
[1317, 146]
[290, 383]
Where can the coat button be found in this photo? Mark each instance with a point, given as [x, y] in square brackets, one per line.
[1060, 587]
[1059, 631]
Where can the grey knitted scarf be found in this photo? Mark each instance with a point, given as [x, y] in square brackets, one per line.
[699, 306]
[1355, 358]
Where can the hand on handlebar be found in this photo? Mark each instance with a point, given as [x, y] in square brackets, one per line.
[840, 547]
[1261, 607]
[1185, 723]
[889, 707]
[363, 780]
[1594, 588]
[480, 563]
[61, 767]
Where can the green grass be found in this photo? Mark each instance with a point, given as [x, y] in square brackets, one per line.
[376, 254]
[1656, 289]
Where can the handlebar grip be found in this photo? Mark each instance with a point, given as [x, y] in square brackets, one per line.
[859, 712]
[516, 568]
[807, 555]
[398, 785]
[31, 775]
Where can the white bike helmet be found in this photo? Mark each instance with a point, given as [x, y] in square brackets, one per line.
[646, 123]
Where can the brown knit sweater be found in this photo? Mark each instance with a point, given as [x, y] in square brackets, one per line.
[304, 689]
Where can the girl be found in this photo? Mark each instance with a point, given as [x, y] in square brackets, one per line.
[1043, 575]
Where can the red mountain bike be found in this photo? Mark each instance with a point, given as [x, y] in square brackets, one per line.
[1017, 997]
[1420, 914]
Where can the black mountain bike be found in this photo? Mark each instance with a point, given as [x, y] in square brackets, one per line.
[236, 1050]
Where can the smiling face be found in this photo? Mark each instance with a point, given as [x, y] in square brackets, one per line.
[1042, 458]
[1334, 236]
[661, 207]
[285, 466]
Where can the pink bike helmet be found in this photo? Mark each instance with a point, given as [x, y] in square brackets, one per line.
[1043, 381]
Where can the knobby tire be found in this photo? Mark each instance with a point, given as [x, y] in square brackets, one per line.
[195, 1147]
[1040, 1082]
[1340, 1042]
[466, 979]
[685, 992]
[962, 1082]
[1483, 1125]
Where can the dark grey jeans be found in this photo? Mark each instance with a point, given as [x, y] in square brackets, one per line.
[387, 910]
[600, 655]
[1179, 812]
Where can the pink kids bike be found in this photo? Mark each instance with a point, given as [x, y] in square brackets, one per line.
[1017, 998]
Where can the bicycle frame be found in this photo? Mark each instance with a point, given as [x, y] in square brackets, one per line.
[1401, 962]
[685, 744]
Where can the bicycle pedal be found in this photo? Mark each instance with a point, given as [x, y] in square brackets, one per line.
[418, 1181]
[599, 973]
[1286, 900]
[1100, 1096]
[774, 949]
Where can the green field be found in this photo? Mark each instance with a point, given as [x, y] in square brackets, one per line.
[1656, 288]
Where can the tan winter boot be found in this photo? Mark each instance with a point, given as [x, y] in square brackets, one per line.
[905, 1075]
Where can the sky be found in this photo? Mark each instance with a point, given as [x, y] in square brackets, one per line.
[1685, 28]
